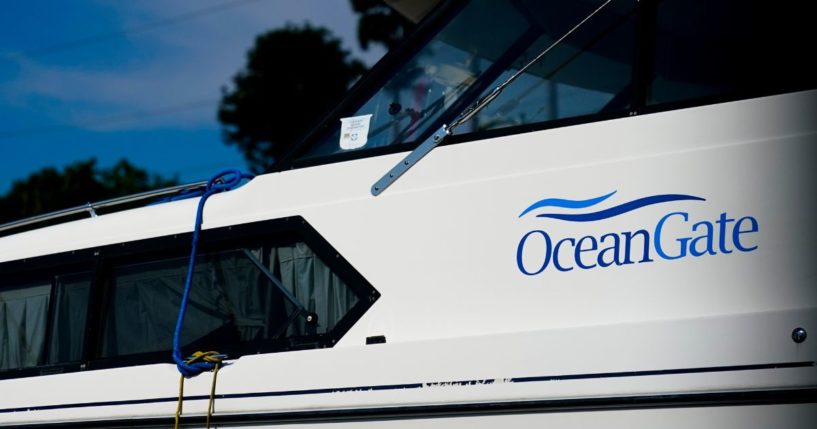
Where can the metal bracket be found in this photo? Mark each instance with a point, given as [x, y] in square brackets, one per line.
[91, 210]
[410, 159]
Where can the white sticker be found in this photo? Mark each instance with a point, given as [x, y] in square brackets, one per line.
[354, 131]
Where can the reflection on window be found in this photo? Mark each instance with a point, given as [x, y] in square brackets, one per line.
[237, 296]
[590, 72]
[483, 45]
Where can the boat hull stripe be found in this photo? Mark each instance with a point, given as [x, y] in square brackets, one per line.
[563, 377]
[643, 402]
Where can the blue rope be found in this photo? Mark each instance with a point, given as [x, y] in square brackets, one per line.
[223, 181]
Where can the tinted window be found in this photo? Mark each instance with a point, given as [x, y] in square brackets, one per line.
[23, 321]
[484, 44]
[67, 338]
[705, 48]
[25, 337]
[589, 72]
[261, 287]
[238, 296]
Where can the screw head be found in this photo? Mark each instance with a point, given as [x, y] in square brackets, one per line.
[799, 335]
[395, 108]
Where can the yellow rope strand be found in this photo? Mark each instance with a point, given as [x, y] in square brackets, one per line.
[179, 404]
[211, 357]
[211, 407]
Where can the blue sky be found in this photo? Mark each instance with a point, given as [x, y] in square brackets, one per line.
[134, 79]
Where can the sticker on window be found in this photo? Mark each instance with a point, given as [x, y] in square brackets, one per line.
[354, 131]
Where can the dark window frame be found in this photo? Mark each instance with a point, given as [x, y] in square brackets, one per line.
[33, 270]
[100, 261]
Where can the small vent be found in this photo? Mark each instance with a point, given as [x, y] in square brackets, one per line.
[377, 339]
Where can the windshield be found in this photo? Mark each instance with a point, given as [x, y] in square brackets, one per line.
[485, 43]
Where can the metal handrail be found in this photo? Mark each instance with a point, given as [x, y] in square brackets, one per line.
[92, 207]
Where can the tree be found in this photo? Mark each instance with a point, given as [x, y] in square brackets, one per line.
[292, 77]
[48, 189]
[379, 23]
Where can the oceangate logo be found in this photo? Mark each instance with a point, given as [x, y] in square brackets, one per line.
[539, 249]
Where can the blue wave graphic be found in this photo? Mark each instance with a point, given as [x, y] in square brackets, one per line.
[567, 204]
[623, 208]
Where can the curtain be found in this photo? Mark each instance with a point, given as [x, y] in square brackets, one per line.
[23, 319]
[314, 285]
[70, 312]
[231, 300]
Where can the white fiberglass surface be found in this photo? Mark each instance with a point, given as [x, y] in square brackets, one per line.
[441, 246]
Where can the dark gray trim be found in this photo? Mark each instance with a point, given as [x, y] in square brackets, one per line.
[385, 387]
[642, 402]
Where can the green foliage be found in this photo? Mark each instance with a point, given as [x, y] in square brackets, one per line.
[49, 189]
[292, 77]
[379, 23]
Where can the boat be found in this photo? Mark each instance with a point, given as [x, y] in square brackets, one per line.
[532, 213]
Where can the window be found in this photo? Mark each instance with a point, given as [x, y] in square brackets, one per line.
[589, 72]
[23, 311]
[705, 48]
[263, 287]
[238, 296]
[26, 340]
[70, 313]
[483, 45]
[629, 57]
